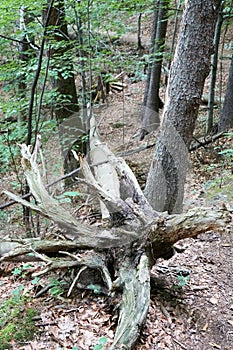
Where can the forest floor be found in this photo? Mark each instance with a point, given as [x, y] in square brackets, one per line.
[192, 293]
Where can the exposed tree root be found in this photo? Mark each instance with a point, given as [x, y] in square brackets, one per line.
[136, 237]
[135, 302]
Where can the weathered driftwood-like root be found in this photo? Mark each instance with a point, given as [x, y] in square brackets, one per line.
[141, 229]
[169, 229]
[135, 302]
[157, 237]
[131, 206]
[91, 260]
[29, 247]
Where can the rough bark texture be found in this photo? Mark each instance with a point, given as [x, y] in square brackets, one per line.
[226, 121]
[190, 67]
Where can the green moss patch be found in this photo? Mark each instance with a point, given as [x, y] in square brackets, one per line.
[16, 321]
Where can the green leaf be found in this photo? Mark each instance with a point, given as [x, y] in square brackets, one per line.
[35, 280]
[95, 287]
[103, 340]
[72, 193]
[17, 271]
[98, 347]
[27, 266]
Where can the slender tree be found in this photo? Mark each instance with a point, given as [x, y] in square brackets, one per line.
[63, 77]
[226, 120]
[26, 52]
[152, 101]
[213, 71]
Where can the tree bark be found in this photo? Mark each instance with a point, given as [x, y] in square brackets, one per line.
[152, 101]
[226, 120]
[165, 183]
[72, 127]
[213, 72]
[62, 82]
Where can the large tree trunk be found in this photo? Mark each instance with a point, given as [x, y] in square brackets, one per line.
[226, 121]
[190, 67]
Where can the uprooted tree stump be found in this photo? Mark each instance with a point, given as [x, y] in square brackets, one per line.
[132, 242]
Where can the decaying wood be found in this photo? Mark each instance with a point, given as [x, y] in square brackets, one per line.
[138, 223]
[135, 302]
[136, 237]
[105, 173]
[160, 235]
[169, 229]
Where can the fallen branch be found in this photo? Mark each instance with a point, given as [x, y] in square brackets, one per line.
[206, 140]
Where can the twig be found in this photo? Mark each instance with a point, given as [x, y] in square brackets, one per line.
[33, 45]
[181, 345]
[27, 195]
[75, 280]
[205, 141]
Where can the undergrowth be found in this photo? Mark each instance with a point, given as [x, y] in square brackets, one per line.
[16, 320]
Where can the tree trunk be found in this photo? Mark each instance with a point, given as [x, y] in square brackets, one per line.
[72, 128]
[165, 183]
[213, 72]
[63, 82]
[26, 52]
[152, 48]
[152, 101]
[226, 121]
[174, 35]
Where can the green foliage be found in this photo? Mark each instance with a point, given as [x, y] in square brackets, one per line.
[21, 271]
[67, 196]
[56, 287]
[16, 320]
[100, 345]
[183, 280]
[12, 135]
[96, 288]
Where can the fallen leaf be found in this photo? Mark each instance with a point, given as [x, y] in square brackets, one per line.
[213, 300]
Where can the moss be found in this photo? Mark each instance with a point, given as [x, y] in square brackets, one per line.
[220, 187]
[16, 322]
